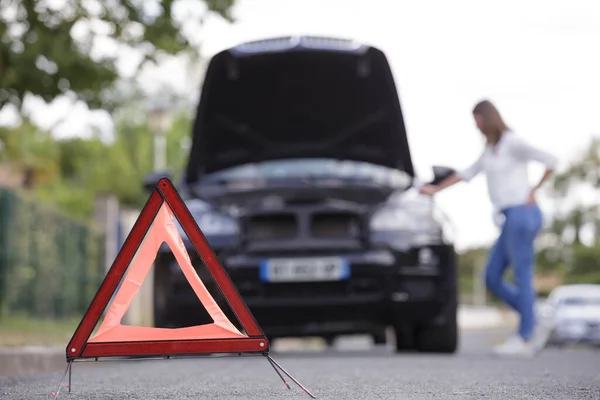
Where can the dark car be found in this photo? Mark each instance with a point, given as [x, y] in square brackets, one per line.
[301, 178]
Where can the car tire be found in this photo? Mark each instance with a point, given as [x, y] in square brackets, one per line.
[161, 297]
[440, 337]
[379, 339]
[405, 339]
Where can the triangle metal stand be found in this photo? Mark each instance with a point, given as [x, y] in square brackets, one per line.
[276, 366]
[69, 370]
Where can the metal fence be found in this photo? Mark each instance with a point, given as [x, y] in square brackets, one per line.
[50, 264]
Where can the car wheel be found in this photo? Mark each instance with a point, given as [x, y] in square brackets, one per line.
[439, 337]
[405, 339]
[379, 338]
[329, 340]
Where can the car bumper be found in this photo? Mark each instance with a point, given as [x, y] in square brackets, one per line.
[577, 333]
[383, 287]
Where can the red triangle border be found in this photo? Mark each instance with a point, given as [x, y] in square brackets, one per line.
[165, 192]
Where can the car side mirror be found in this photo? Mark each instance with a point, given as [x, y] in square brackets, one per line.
[440, 173]
[152, 179]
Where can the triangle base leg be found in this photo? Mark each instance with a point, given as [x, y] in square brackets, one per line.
[68, 369]
[279, 373]
[276, 366]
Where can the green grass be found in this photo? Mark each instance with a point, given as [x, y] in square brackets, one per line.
[25, 331]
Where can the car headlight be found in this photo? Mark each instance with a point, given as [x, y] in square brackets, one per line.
[404, 219]
[210, 222]
[414, 214]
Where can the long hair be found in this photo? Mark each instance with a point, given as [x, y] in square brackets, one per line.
[493, 124]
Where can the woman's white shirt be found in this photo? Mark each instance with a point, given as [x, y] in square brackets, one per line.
[505, 167]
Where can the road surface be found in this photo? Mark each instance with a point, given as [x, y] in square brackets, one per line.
[353, 369]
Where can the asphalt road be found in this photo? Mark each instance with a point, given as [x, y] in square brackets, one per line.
[353, 369]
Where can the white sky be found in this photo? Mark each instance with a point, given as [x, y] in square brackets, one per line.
[538, 60]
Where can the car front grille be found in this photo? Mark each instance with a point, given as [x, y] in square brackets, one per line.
[270, 227]
[335, 225]
[285, 226]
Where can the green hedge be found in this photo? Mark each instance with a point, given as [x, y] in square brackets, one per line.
[50, 264]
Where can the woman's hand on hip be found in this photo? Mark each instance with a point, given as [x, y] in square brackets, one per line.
[531, 199]
[429, 190]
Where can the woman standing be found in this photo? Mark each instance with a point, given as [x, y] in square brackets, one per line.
[504, 161]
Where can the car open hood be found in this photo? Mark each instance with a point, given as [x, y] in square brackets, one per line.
[298, 97]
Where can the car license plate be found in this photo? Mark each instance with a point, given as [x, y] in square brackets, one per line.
[304, 269]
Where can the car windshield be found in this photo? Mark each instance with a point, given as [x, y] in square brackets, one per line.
[311, 169]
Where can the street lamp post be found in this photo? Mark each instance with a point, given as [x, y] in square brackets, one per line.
[159, 120]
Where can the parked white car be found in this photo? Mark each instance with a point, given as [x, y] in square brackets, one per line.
[575, 314]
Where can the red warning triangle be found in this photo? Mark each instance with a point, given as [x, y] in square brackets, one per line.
[155, 225]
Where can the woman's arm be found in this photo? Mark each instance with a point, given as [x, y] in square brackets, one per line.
[449, 181]
[527, 152]
[545, 177]
[547, 173]
[464, 175]
[433, 189]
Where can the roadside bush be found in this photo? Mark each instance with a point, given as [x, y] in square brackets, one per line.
[586, 261]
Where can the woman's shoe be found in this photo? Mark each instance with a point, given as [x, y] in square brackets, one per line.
[515, 346]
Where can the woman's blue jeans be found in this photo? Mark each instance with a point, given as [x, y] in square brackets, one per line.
[515, 247]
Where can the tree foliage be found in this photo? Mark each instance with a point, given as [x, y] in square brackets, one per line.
[50, 48]
[71, 172]
[575, 192]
